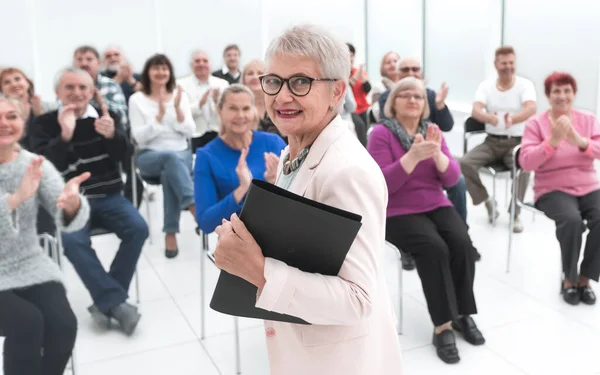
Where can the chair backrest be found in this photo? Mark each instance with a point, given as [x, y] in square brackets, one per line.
[516, 153]
[472, 125]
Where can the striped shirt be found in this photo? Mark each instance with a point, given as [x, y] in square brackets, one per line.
[87, 151]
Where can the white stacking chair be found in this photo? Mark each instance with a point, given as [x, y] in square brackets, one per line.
[236, 328]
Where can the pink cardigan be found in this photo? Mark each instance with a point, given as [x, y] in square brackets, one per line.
[565, 168]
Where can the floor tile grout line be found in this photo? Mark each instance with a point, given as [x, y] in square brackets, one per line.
[131, 354]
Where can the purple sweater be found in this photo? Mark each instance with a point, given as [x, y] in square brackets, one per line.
[420, 191]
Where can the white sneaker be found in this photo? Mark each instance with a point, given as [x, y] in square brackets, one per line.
[518, 225]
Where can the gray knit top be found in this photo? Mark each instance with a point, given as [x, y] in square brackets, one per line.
[22, 260]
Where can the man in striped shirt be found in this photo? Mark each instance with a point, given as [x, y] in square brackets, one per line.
[82, 138]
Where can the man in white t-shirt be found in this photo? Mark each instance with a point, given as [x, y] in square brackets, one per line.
[203, 90]
[503, 104]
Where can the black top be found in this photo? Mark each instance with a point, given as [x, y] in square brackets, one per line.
[227, 76]
[88, 151]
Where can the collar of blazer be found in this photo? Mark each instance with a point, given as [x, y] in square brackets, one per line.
[317, 151]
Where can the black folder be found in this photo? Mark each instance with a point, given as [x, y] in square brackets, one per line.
[300, 232]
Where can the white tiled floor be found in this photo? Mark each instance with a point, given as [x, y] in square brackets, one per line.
[529, 330]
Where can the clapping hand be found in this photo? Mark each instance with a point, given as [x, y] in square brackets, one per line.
[69, 200]
[104, 125]
[67, 120]
[440, 97]
[242, 170]
[508, 121]
[29, 183]
[215, 94]
[177, 101]
[559, 130]
[271, 163]
[422, 149]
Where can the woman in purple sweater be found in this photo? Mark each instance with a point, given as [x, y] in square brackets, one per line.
[417, 166]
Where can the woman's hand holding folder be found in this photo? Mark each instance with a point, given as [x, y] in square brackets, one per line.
[238, 253]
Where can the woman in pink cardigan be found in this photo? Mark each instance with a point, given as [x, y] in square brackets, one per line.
[560, 146]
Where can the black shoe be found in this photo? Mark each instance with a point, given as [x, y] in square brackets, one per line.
[586, 295]
[198, 230]
[468, 329]
[408, 262]
[171, 253]
[99, 317]
[571, 295]
[445, 345]
[128, 317]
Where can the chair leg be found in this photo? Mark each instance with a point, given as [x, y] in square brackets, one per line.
[150, 231]
[73, 366]
[494, 208]
[238, 363]
[506, 188]
[137, 286]
[202, 278]
[511, 224]
[400, 295]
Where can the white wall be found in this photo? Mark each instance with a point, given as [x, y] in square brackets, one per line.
[40, 35]
[44, 33]
[554, 35]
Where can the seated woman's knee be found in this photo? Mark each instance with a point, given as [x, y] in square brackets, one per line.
[28, 325]
[61, 330]
[431, 249]
[570, 221]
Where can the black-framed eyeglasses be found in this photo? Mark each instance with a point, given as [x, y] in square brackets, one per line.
[299, 85]
[406, 69]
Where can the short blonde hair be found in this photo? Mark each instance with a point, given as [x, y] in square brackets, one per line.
[381, 71]
[251, 63]
[15, 102]
[407, 83]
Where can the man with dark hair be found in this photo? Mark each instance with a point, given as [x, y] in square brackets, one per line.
[359, 83]
[503, 104]
[82, 138]
[231, 70]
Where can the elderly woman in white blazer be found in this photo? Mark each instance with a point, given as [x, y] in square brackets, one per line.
[352, 331]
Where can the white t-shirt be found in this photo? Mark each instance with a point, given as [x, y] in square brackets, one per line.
[502, 102]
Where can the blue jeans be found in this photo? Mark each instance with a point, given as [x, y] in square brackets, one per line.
[116, 214]
[174, 168]
[457, 194]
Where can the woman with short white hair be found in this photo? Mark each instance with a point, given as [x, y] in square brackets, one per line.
[352, 325]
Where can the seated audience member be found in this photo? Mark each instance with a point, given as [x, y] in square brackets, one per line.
[87, 58]
[226, 166]
[203, 91]
[359, 82]
[80, 138]
[389, 76]
[231, 70]
[161, 124]
[251, 78]
[503, 104]
[35, 314]
[119, 69]
[15, 84]
[560, 145]
[440, 115]
[417, 166]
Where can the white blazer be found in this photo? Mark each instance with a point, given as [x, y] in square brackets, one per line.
[353, 331]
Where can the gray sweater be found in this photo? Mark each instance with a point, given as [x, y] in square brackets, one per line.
[22, 260]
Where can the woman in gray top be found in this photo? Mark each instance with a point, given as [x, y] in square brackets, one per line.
[34, 311]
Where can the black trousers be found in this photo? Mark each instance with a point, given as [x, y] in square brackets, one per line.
[444, 256]
[569, 213]
[39, 329]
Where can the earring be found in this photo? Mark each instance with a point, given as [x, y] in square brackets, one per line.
[331, 108]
